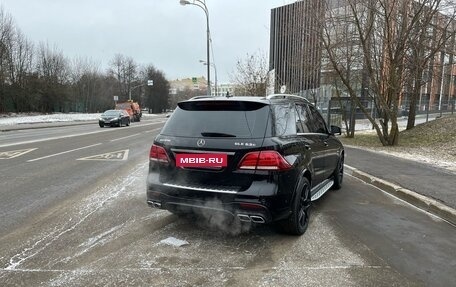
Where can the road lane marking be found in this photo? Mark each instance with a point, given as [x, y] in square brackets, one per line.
[68, 151]
[15, 153]
[74, 135]
[111, 156]
[133, 135]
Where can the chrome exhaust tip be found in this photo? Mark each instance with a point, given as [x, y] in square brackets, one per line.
[244, 218]
[257, 219]
[154, 203]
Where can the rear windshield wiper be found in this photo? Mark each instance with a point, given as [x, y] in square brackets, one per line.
[213, 134]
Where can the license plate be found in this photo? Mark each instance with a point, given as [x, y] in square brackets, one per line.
[201, 160]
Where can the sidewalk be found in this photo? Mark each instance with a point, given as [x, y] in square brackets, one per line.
[427, 187]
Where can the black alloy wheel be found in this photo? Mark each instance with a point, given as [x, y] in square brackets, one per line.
[298, 222]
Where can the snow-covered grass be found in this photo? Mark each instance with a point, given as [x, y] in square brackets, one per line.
[365, 125]
[52, 118]
[432, 143]
[15, 119]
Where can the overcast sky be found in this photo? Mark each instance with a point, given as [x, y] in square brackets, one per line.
[159, 32]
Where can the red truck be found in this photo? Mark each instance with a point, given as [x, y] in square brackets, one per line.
[133, 109]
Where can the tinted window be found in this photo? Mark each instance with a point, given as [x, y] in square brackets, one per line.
[285, 120]
[218, 118]
[111, 113]
[304, 120]
[318, 123]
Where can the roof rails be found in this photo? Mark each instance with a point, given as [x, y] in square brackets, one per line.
[201, 97]
[286, 96]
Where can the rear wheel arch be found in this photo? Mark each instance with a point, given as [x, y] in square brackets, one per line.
[305, 174]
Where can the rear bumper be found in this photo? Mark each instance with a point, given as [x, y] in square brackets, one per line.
[108, 123]
[256, 204]
[242, 209]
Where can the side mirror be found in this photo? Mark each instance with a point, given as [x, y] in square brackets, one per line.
[335, 130]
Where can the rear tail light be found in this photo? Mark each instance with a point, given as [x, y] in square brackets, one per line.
[264, 160]
[158, 153]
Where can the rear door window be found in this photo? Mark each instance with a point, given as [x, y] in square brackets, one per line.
[304, 120]
[318, 123]
[284, 119]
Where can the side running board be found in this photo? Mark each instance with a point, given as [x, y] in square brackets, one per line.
[321, 189]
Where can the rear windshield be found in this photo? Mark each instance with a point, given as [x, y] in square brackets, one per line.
[218, 119]
[111, 113]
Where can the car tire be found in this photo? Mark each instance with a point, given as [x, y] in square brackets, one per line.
[120, 123]
[298, 222]
[128, 123]
[338, 174]
[101, 125]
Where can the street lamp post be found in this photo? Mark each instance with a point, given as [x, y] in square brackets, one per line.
[131, 89]
[202, 5]
[215, 73]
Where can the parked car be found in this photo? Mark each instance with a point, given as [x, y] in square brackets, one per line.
[114, 118]
[257, 160]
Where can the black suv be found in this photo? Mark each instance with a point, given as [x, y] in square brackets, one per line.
[256, 159]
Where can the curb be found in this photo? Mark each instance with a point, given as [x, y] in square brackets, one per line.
[425, 203]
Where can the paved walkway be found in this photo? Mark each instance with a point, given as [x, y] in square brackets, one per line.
[432, 182]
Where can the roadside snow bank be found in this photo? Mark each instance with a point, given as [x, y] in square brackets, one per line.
[21, 119]
[15, 119]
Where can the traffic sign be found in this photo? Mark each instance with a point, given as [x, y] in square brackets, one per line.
[150, 82]
[195, 80]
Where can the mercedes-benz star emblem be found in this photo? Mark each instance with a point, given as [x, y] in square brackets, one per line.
[200, 142]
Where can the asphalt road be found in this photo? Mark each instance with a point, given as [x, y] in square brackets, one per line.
[73, 213]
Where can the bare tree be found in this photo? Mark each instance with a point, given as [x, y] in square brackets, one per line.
[6, 38]
[182, 95]
[53, 70]
[251, 75]
[156, 96]
[375, 37]
[43, 80]
[125, 70]
[20, 65]
[85, 78]
[427, 45]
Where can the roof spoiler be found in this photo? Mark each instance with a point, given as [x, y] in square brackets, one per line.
[287, 96]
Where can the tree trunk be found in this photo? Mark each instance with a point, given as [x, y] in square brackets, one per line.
[412, 109]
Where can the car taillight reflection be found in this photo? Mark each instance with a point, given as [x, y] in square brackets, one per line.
[158, 153]
[264, 160]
